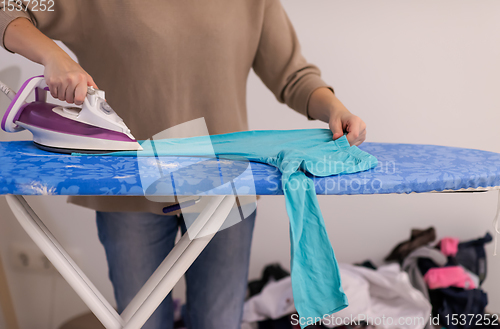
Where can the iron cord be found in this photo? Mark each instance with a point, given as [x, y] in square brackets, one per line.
[7, 91]
[496, 222]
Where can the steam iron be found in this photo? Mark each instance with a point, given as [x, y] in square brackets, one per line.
[93, 128]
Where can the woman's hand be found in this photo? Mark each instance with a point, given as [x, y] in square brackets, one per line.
[66, 79]
[341, 120]
[325, 106]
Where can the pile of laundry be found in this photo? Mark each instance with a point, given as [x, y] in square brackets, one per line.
[423, 284]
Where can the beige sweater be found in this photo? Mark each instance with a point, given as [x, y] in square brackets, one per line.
[166, 62]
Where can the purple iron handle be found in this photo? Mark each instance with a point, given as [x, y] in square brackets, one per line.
[16, 106]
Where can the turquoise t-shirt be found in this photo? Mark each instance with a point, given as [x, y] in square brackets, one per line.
[316, 284]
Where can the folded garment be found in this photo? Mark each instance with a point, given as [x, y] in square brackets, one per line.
[449, 246]
[450, 276]
[317, 288]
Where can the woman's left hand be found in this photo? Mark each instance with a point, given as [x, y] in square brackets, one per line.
[341, 120]
[325, 106]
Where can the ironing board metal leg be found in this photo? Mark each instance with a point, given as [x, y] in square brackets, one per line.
[63, 263]
[172, 269]
[156, 288]
[172, 257]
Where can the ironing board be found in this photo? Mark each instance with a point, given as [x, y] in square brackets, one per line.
[26, 170]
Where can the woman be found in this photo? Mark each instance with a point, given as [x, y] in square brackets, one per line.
[163, 63]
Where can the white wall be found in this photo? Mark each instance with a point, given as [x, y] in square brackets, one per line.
[415, 71]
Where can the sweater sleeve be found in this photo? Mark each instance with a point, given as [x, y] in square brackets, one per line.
[279, 62]
[9, 11]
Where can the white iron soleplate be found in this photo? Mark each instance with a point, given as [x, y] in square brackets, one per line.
[56, 139]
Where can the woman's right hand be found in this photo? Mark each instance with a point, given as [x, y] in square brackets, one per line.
[66, 79]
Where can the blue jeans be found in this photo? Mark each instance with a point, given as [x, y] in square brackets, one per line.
[136, 243]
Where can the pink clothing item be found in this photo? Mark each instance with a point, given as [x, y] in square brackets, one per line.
[451, 276]
[449, 246]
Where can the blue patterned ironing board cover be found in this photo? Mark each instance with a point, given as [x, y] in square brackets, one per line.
[402, 168]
